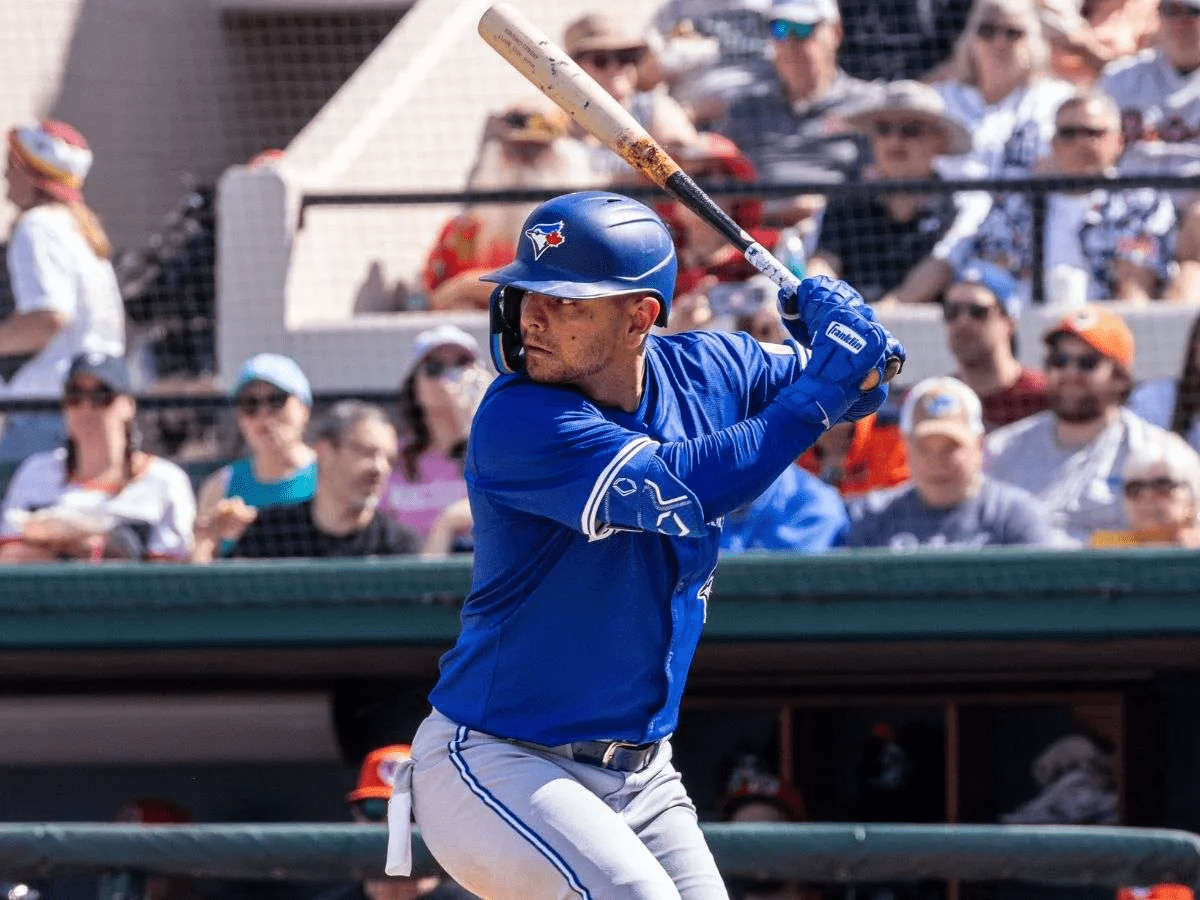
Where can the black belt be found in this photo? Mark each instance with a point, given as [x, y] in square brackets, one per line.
[620, 756]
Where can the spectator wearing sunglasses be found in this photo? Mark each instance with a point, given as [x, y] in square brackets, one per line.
[1105, 243]
[368, 806]
[896, 247]
[1157, 96]
[1162, 499]
[355, 443]
[607, 51]
[1001, 90]
[523, 146]
[948, 501]
[980, 310]
[272, 400]
[791, 126]
[99, 496]
[1072, 456]
[426, 491]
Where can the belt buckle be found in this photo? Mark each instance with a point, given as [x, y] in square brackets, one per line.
[612, 749]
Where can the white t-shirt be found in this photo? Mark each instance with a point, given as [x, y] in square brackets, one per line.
[1009, 137]
[52, 266]
[1081, 487]
[1160, 113]
[159, 504]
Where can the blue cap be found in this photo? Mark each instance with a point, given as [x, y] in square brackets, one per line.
[110, 371]
[996, 279]
[275, 369]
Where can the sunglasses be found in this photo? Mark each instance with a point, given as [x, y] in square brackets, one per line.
[782, 29]
[908, 130]
[1075, 132]
[434, 367]
[977, 311]
[1159, 487]
[1178, 11]
[603, 59]
[989, 31]
[372, 809]
[1089, 362]
[250, 404]
[97, 398]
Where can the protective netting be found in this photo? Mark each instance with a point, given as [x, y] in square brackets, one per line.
[327, 184]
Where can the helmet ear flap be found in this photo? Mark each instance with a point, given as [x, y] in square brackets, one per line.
[504, 307]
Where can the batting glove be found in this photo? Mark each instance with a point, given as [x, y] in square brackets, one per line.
[870, 401]
[805, 308]
[848, 346]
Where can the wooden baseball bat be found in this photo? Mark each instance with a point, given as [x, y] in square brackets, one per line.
[558, 76]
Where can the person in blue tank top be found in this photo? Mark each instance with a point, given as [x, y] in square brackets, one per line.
[273, 400]
[599, 467]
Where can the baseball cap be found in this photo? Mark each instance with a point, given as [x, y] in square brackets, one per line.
[1102, 330]
[281, 371]
[996, 279]
[805, 12]
[378, 772]
[108, 370]
[445, 335]
[598, 31]
[942, 405]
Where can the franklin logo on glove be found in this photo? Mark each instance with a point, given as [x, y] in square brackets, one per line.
[847, 337]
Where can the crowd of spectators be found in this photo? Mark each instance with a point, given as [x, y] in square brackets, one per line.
[811, 94]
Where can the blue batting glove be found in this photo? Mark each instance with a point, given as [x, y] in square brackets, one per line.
[869, 402]
[848, 346]
[804, 309]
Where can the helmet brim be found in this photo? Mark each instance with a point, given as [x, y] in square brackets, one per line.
[521, 275]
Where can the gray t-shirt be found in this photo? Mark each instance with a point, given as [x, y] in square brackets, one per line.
[800, 141]
[998, 514]
[1081, 487]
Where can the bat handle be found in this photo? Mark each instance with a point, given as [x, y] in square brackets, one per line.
[763, 260]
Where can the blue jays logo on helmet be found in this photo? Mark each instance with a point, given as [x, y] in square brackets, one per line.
[582, 246]
[545, 237]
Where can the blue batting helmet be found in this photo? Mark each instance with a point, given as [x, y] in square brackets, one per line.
[581, 246]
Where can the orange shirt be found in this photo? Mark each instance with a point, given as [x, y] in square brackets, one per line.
[876, 458]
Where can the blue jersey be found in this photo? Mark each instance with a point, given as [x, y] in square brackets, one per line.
[597, 534]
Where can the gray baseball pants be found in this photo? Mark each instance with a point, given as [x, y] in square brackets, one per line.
[510, 822]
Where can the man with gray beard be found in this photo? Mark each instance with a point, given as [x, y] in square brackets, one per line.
[1071, 456]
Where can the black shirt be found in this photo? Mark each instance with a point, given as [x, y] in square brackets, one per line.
[289, 531]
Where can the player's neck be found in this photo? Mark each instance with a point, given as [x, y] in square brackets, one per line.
[619, 385]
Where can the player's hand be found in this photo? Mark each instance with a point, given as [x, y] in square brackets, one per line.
[804, 309]
[870, 401]
[847, 347]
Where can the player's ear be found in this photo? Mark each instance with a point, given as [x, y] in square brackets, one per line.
[643, 313]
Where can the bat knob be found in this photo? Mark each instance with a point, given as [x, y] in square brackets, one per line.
[891, 369]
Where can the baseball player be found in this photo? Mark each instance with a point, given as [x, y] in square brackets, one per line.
[599, 466]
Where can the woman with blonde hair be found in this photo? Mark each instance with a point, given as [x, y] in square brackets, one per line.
[67, 299]
[1002, 90]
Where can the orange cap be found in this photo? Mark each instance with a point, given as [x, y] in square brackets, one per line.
[378, 772]
[1103, 331]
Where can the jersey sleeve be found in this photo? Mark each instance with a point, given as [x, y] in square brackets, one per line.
[551, 453]
[41, 277]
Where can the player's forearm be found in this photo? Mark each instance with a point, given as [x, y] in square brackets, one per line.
[732, 466]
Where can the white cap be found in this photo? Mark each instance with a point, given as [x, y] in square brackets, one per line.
[445, 335]
[942, 405]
